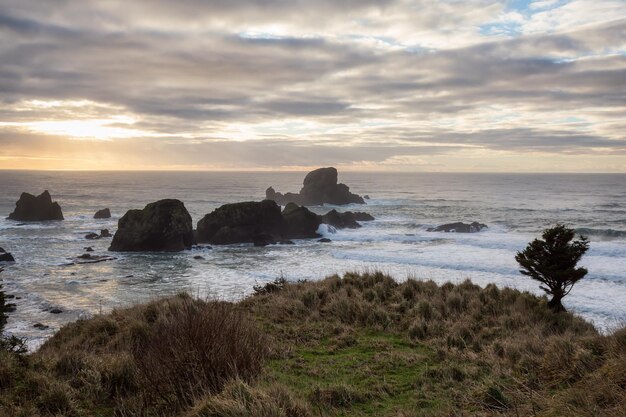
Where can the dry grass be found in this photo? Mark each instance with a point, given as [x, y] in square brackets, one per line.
[355, 345]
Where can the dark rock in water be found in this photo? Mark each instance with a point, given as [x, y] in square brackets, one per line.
[366, 197]
[164, 225]
[10, 308]
[88, 258]
[88, 249]
[347, 220]
[319, 187]
[6, 257]
[40, 326]
[105, 233]
[245, 222]
[92, 236]
[33, 209]
[324, 240]
[459, 227]
[2, 250]
[300, 222]
[286, 242]
[102, 214]
[56, 311]
[264, 240]
[198, 257]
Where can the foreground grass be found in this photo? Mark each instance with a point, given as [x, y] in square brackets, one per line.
[358, 345]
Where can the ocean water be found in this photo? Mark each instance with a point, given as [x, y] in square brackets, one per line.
[516, 207]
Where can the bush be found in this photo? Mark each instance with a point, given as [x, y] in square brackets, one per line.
[194, 348]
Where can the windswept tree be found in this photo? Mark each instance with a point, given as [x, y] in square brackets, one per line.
[552, 261]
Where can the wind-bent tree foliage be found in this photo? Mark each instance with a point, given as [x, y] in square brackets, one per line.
[552, 261]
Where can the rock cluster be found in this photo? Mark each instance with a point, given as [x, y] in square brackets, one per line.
[319, 187]
[34, 209]
[459, 227]
[164, 225]
[263, 223]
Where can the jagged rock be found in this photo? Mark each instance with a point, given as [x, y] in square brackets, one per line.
[459, 227]
[40, 326]
[347, 220]
[105, 233]
[88, 258]
[324, 240]
[32, 209]
[319, 187]
[88, 249]
[2, 250]
[102, 214]
[164, 225]
[6, 257]
[264, 240]
[92, 236]
[242, 223]
[300, 222]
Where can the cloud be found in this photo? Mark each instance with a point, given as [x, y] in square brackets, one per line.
[297, 83]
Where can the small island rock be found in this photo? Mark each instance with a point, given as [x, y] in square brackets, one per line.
[164, 225]
[33, 209]
[459, 227]
[102, 214]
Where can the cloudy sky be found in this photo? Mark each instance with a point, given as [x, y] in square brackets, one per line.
[407, 85]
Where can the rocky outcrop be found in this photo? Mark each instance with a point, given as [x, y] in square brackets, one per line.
[94, 236]
[102, 214]
[247, 222]
[319, 187]
[164, 225]
[6, 256]
[459, 227]
[34, 209]
[262, 223]
[347, 220]
[300, 222]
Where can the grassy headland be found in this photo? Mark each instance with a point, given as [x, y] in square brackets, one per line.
[357, 345]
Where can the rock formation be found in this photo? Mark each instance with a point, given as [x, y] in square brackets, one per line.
[102, 214]
[6, 256]
[319, 187]
[347, 220]
[34, 209]
[262, 223]
[300, 222]
[164, 225]
[242, 223]
[459, 227]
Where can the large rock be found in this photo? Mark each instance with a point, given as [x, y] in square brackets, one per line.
[300, 222]
[319, 187]
[34, 209]
[6, 257]
[347, 220]
[102, 214]
[459, 227]
[247, 222]
[164, 225]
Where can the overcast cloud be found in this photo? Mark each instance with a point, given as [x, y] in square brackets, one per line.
[472, 85]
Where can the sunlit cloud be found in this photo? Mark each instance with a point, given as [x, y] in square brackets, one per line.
[477, 85]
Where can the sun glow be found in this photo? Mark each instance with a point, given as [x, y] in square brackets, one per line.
[102, 129]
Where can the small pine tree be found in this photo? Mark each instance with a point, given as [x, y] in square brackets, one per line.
[552, 261]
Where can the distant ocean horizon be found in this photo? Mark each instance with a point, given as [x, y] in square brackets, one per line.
[516, 207]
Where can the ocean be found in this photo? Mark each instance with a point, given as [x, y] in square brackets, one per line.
[516, 207]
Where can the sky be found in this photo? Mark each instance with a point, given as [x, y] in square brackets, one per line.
[363, 85]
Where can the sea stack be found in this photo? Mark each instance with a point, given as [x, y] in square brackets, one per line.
[102, 214]
[164, 225]
[34, 209]
[319, 187]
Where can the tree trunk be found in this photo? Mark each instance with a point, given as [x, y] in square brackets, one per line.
[555, 304]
